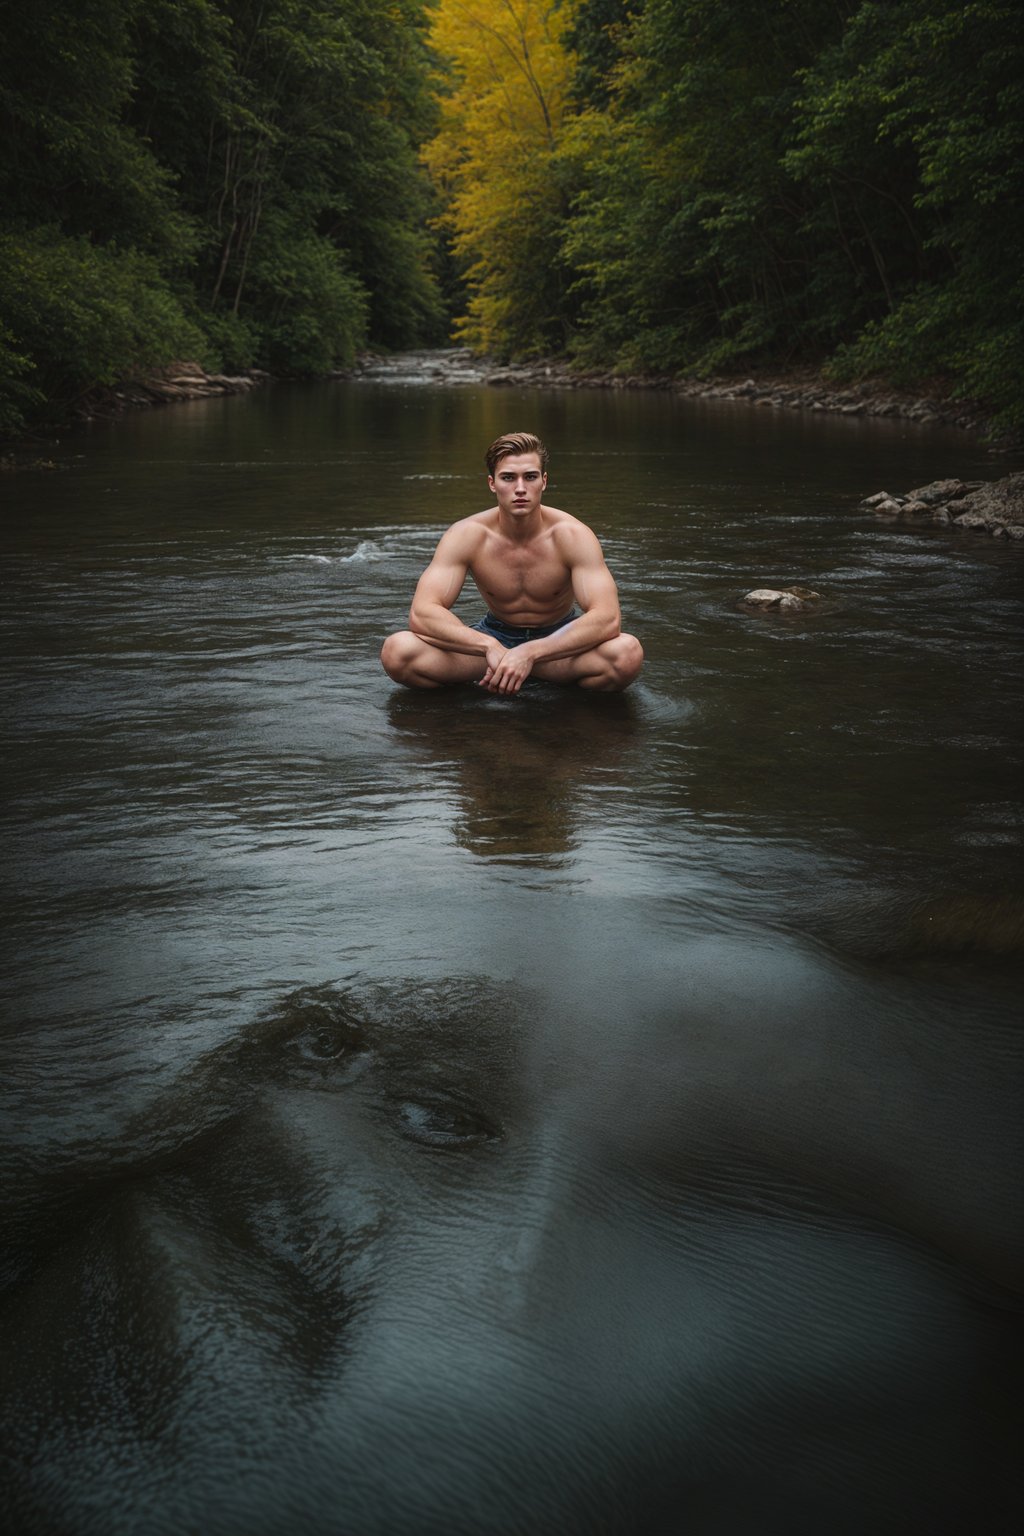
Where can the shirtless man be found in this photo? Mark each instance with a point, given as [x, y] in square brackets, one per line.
[531, 563]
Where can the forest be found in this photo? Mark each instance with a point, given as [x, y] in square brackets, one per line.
[672, 187]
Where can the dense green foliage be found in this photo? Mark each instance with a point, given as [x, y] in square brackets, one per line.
[672, 185]
[827, 181]
[230, 180]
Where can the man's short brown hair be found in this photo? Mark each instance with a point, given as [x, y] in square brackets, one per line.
[515, 443]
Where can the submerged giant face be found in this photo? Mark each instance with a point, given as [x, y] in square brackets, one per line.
[468, 1257]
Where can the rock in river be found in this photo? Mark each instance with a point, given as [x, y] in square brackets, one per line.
[784, 599]
[995, 507]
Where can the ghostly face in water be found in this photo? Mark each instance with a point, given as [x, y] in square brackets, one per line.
[450, 1257]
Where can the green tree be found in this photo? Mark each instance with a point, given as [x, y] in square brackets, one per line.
[594, 36]
[801, 179]
[912, 128]
[235, 177]
[303, 133]
[90, 234]
[688, 229]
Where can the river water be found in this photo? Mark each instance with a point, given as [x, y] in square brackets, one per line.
[461, 1115]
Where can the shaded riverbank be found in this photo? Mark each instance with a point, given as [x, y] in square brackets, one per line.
[166, 386]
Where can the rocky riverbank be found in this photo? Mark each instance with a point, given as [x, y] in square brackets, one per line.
[800, 390]
[177, 381]
[995, 507]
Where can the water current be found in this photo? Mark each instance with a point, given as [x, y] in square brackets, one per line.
[450, 1114]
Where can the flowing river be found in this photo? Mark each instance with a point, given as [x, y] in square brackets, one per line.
[459, 1115]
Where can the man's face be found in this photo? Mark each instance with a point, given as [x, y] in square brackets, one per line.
[518, 483]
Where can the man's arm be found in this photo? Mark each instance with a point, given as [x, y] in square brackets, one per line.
[430, 616]
[594, 589]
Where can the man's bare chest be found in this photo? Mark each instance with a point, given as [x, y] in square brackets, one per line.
[534, 570]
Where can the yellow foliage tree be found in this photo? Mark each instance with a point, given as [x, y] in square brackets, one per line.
[496, 164]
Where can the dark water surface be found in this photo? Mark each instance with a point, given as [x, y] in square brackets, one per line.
[459, 1115]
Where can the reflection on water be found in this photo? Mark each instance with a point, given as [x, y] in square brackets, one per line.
[444, 1113]
[516, 768]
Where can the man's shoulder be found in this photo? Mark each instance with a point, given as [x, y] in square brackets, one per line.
[477, 522]
[556, 518]
[570, 532]
[467, 532]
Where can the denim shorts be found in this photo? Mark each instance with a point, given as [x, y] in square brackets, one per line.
[509, 635]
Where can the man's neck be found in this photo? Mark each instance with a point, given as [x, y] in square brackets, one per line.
[521, 529]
